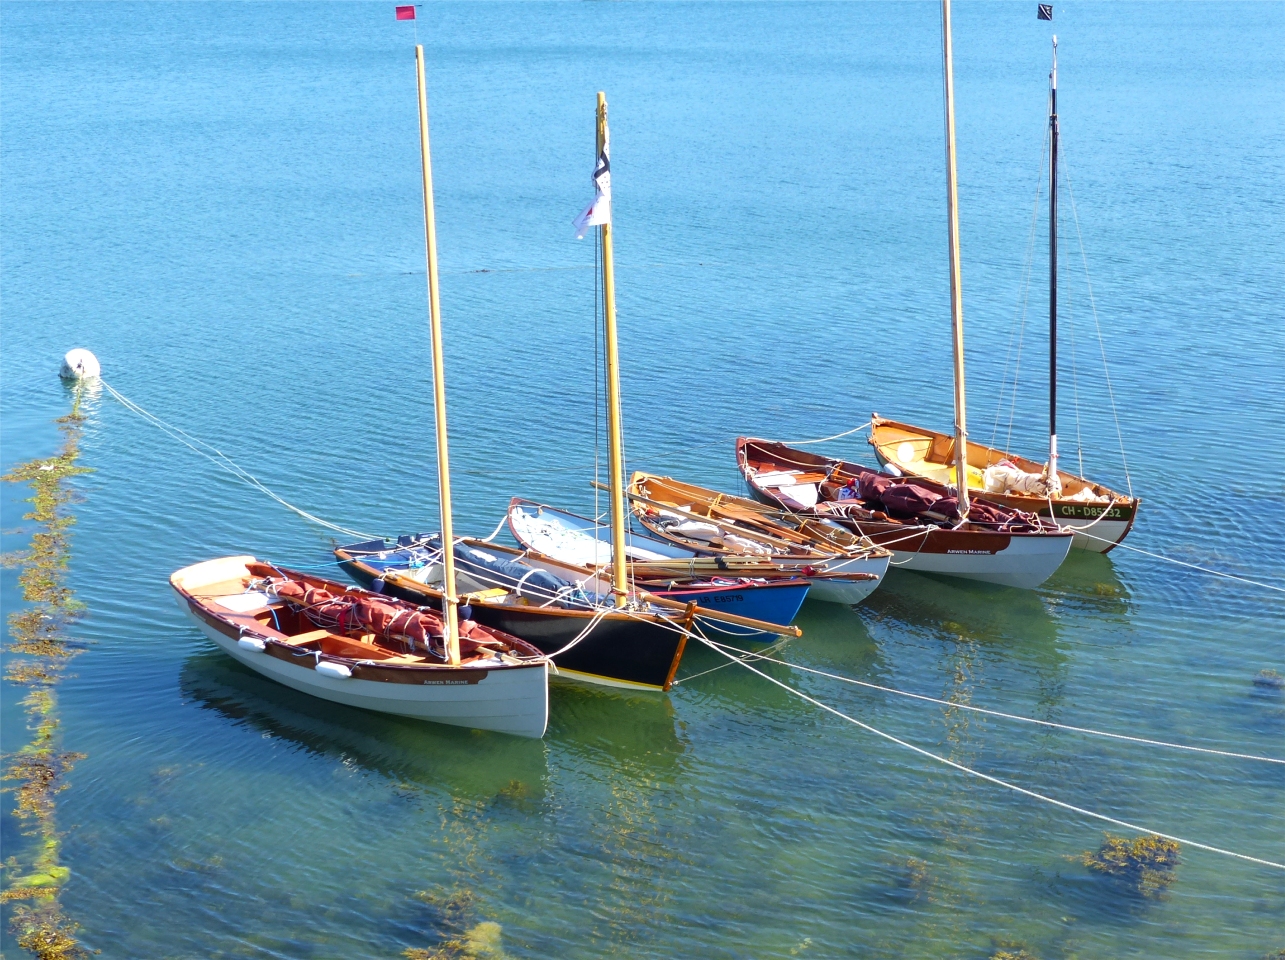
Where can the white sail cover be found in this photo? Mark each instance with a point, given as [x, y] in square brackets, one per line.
[599, 211]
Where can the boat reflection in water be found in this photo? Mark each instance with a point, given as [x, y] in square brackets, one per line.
[601, 726]
[398, 748]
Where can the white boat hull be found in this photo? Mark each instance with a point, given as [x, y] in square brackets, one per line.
[1026, 562]
[513, 700]
[849, 592]
[1105, 533]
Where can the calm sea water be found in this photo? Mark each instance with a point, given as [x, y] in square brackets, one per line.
[222, 202]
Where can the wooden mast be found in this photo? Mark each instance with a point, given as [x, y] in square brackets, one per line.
[1053, 136]
[615, 439]
[956, 292]
[450, 605]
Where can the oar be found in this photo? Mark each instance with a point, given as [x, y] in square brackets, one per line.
[762, 520]
[833, 551]
[704, 613]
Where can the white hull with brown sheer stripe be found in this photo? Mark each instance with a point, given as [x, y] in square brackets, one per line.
[509, 697]
[972, 551]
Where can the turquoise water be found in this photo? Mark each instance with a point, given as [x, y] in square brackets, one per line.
[222, 202]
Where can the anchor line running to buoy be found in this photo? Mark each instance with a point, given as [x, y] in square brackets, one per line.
[985, 776]
[760, 655]
[224, 462]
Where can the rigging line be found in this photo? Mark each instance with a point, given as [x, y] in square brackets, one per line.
[1012, 716]
[1027, 269]
[1075, 387]
[224, 462]
[991, 779]
[705, 446]
[772, 647]
[804, 443]
[1182, 563]
[1094, 306]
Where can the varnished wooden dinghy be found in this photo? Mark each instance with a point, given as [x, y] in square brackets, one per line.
[1011, 480]
[995, 544]
[843, 567]
[1101, 516]
[567, 612]
[350, 646]
[765, 592]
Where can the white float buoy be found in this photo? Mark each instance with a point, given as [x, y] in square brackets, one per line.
[79, 365]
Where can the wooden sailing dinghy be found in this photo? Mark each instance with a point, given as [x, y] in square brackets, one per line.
[843, 567]
[566, 612]
[919, 522]
[765, 592]
[999, 476]
[1104, 516]
[353, 647]
[931, 528]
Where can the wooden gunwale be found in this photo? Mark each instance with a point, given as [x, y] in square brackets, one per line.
[590, 660]
[383, 665]
[980, 457]
[965, 537]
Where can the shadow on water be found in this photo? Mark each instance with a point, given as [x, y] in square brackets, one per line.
[409, 751]
[1088, 583]
[609, 727]
[1016, 621]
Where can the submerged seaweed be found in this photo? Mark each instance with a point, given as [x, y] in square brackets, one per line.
[454, 907]
[1144, 865]
[480, 942]
[38, 635]
[1012, 951]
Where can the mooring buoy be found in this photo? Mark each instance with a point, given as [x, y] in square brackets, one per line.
[79, 365]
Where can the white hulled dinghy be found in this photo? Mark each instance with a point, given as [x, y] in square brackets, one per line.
[354, 647]
[927, 526]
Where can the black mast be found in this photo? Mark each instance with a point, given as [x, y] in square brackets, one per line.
[1053, 267]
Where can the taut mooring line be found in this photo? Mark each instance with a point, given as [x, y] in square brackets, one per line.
[224, 462]
[1007, 716]
[986, 776]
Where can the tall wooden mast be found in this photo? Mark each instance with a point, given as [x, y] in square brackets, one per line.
[956, 291]
[1053, 136]
[615, 437]
[450, 599]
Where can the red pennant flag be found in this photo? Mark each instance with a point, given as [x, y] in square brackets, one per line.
[405, 13]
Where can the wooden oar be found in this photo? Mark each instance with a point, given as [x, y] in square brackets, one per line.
[725, 527]
[762, 520]
[704, 613]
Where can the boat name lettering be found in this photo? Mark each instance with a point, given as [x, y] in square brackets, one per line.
[986, 552]
[1068, 510]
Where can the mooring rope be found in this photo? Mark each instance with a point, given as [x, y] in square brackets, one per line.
[760, 655]
[1181, 563]
[986, 776]
[804, 443]
[225, 463]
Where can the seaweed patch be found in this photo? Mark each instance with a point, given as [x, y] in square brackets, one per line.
[38, 635]
[478, 941]
[1144, 865]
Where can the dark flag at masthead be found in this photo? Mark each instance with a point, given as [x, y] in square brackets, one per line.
[1046, 11]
